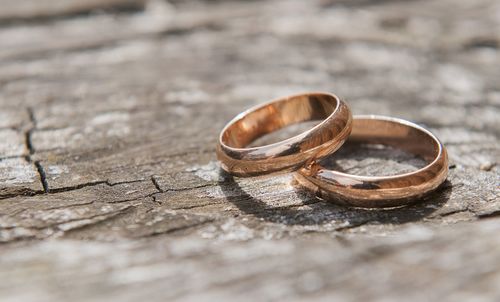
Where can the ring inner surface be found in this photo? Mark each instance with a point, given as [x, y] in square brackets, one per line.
[277, 115]
[396, 135]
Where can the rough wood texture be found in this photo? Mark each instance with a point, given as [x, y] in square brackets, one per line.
[109, 185]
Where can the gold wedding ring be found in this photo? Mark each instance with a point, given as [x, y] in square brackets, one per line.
[381, 191]
[303, 152]
[290, 154]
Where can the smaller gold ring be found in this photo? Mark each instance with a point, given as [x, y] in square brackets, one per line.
[290, 154]
[383, 191]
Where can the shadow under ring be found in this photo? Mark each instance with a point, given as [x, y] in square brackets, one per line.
[292, 153]
[382, 191]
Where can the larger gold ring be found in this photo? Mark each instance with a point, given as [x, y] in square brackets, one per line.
[289, 154]
[384, 191]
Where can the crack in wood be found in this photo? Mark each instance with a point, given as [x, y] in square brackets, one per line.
[31, 150]
[47, 190]
[156, 184]
[28, 134]
[43, 177]
[189, 188]
[91, 184]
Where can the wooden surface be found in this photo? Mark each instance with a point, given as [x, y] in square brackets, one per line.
[109, 185]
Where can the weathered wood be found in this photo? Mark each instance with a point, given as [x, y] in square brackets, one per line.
[109, 186]
[43, 10]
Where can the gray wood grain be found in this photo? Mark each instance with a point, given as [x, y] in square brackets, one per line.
[109, 185]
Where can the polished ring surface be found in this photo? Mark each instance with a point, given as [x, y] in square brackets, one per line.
[290, 154]
[383, 191]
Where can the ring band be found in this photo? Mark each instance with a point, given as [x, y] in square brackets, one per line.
[290, 154]
[384, 191]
